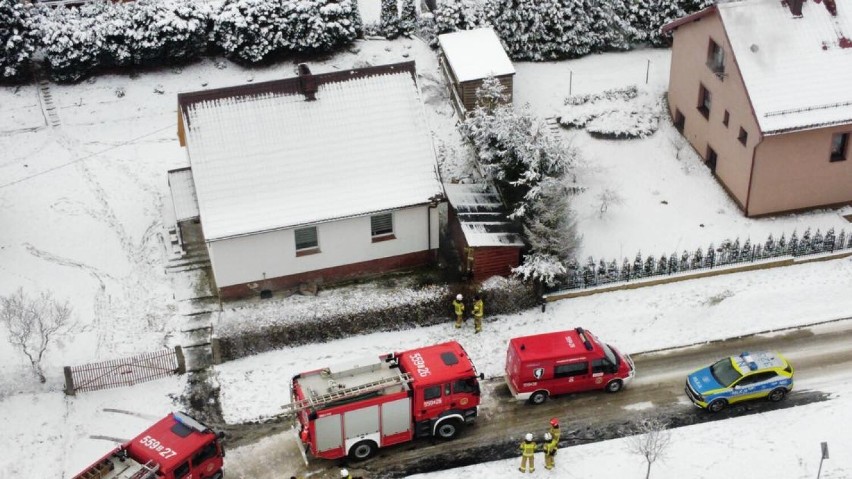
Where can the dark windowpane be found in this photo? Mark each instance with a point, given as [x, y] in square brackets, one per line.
[306, 238]
[727, 118]
[381, 224]
[705, 101]
[182, 470]
[838, 146]
[743, 136]
[716, 57]
[566, 370]
[433, 392]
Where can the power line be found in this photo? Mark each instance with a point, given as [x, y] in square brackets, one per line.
[50, 170]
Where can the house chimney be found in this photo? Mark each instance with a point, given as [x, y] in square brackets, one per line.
[796, 7]
[307, 82]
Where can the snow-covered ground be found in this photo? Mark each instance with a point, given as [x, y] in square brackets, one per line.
[83, 208]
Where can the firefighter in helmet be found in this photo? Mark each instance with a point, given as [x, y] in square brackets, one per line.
[554, 430]
[478, 312]
[551, 445]
[344, 473]
[528, 448]
[458, 307]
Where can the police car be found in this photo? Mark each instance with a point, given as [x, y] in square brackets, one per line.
[747, 376]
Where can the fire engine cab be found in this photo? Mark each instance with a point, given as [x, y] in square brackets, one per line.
[564, 362]
[356, 408]
[176, 447]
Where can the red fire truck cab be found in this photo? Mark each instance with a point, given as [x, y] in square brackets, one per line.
[176, 447]
[564, 362]
[353, 409]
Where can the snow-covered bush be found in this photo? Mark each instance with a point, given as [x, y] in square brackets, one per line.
[617, 113]
[253, 30]
[451, 16]
[18, 39]
[71, 43]
[167, 31]
[389, 19]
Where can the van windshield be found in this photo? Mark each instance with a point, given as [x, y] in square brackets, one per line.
[610, 355]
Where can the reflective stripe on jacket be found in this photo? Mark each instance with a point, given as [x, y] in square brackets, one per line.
[459, 307]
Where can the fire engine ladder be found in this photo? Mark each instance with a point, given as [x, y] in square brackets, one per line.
[145, 471]
[345, 393]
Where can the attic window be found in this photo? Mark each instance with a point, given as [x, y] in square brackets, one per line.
[716, 59]
[743, 136]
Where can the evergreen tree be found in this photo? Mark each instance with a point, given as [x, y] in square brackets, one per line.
[19, 39]
[589, 273]
[612, 271]
[817, 244]
[339, 24]
[625, 270]
[663, 265]
[71, 45]
[638, 271]
[734, 251]
[805, 242]
[697, 259]
[252, 30]
[389, 19]
[673, 263]
[451, 16]
[408, 18]
[769, 246]
[829, 243]
[710, 257]
[601, 273]
[841, 239]
[794, 244]
[746, 252]
[684, 261]
[648, 268]
[782, 247]
[357, 21]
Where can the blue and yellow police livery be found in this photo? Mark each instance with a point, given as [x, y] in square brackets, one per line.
[740, 378]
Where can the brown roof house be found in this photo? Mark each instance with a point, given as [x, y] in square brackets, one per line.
[762, 89]
[467, 58]
[316, 177]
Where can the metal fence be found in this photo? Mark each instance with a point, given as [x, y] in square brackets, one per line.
[598, 273]
[125, 371]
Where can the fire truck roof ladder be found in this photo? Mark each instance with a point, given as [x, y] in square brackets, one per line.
[315, 401]
[146, 471]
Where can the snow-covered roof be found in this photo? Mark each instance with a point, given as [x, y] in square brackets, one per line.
[475, 54]
[481, 215]
[265, 158]
[183, 194]
[797, 71]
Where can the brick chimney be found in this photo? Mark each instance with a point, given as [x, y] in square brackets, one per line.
[795, 7]
[307, 82]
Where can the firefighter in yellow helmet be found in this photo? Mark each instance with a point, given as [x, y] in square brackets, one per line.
[528, 448]
[458, 307]
[478, 312]
[551, 445]
[554, 430]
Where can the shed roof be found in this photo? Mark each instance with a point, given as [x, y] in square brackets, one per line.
[796, 70]
[475, 54]
[264, 158]
[183, 194]
[481, 215]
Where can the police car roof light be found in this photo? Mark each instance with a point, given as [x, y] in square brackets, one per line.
[749, 361]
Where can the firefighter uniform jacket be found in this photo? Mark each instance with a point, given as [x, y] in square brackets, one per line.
[478, 309]
[551, 447]
[528, 448]
[459, 307]
[555, 432]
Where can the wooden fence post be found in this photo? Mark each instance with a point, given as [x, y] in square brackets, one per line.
[181, 369]
[69, 382]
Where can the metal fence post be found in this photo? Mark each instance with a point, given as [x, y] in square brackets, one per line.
[69, 382]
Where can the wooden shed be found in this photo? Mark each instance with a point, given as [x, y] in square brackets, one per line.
[487, 242]
[468, 57]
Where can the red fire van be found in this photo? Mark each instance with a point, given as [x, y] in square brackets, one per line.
[564, 362]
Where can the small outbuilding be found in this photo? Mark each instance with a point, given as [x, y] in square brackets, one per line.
[487, 242]
[467, 58]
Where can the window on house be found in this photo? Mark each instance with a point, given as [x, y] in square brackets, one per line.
[838, 146]
[381, 225]
[306, 239]
[705, 99]
[726, 118]
[711, 156]
[716, 58]
[679, 121]
[743, 136]
[573, 369]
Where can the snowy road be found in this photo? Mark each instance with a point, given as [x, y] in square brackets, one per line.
[819, 354]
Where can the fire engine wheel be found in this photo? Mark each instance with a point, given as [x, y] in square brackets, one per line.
[538, 397]
[218, 475]
[777, 394]
[717, 405]
[448, 429]
[614, 386]
[363, 450]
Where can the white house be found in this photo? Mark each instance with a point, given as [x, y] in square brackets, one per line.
[316, 177]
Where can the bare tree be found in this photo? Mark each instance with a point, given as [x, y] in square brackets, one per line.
[609, 197]
[651, 441]
[33, 323]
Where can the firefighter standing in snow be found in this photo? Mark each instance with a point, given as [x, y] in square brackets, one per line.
[554, 430]
[478, 311]
[528, 454]
[458, 307]
[551, 444]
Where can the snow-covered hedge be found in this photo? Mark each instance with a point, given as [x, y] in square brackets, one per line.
[76, 41]
[614, 114]
[254, 30]
[351, 311]
[18, 38]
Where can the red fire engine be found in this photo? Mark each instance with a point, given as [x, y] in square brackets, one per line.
[564, 362]
[176, 447]
[354, 409]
